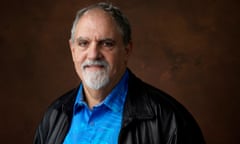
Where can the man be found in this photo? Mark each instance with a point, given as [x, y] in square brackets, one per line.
[112, 105]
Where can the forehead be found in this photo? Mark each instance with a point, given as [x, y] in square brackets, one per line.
[97, 19]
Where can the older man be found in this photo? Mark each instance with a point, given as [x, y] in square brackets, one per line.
[112, 105]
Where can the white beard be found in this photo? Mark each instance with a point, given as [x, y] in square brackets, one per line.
[96, 79]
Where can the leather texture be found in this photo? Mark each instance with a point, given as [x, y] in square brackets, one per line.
[150, 117]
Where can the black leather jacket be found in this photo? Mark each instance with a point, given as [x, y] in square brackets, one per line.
[150, 117]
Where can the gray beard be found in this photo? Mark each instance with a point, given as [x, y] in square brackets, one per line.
[96, 79]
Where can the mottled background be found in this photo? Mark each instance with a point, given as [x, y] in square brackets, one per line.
[188, 48]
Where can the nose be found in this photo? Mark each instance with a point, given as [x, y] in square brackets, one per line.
[94, 52]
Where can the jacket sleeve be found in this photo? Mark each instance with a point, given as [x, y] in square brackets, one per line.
[185, 131]
[42, 130]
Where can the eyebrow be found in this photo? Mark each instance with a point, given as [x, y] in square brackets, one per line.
[107, 39]
[81, 38]
[99, 40]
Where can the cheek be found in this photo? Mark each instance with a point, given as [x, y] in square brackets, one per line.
[117, 62]
[78, 56]
[122, 58]
[77, 65]
[78, 60]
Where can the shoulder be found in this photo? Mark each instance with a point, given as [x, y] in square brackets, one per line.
[164, 108]
[56, 118]
[150, 94]
[64, 102]
[62, 105]
[146, 97]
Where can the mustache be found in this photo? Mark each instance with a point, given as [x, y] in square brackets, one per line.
[101, 63]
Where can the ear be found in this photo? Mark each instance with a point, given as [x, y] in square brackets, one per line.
[71, 45]
[128, 49]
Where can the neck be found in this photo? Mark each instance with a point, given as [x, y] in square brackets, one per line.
[94, 97]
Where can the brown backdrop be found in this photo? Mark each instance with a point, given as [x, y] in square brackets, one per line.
[188, 48]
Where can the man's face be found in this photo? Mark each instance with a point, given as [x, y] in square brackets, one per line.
[99, 54]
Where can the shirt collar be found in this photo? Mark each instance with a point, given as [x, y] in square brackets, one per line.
[115, 99]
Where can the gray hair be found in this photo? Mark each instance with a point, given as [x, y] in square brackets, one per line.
[121, 20]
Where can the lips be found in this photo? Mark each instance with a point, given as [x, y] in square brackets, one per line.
[94, 67]
[96, 64]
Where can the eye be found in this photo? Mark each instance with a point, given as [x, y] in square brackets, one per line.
[107, 43]
[83, 43]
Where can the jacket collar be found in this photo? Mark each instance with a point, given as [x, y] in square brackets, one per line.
[137, 105]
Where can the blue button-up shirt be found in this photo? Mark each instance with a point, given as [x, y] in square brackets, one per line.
[102, 124]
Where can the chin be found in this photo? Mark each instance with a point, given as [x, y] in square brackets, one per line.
[96, 79]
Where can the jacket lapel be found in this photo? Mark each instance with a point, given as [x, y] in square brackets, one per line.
[137, 105]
